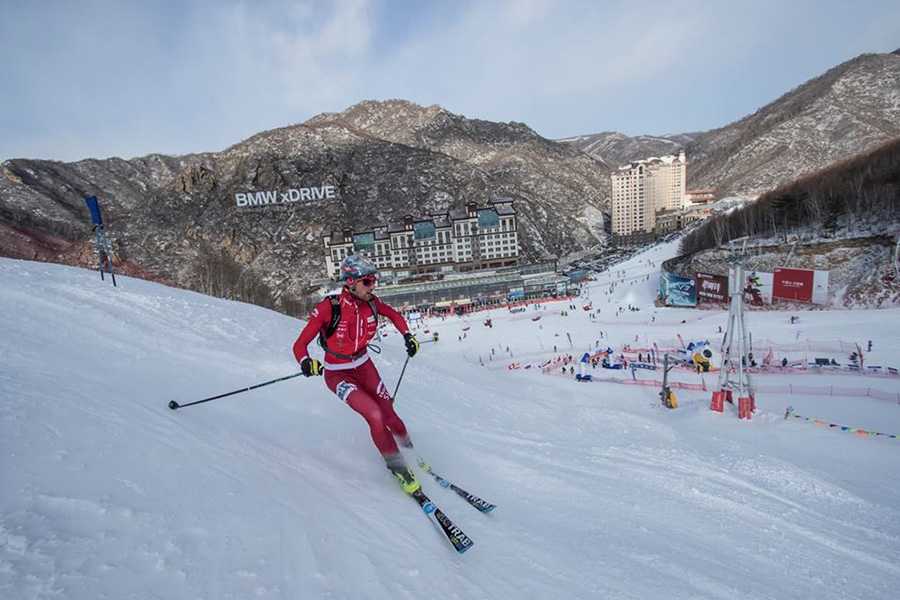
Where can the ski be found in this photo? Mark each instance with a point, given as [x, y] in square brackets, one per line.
[461, 542]
[482, 505]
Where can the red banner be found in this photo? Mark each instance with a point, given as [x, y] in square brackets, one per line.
[793, 284]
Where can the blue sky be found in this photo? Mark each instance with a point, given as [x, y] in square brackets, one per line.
[101, 78]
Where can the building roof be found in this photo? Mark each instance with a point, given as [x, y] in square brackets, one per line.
[502, 206]
[338, 237]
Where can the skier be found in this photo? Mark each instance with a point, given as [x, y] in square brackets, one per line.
[348, 370]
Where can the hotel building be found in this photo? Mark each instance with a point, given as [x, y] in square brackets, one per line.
[459, 240]
[640, 191]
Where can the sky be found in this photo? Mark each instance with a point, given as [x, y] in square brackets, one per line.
[102, 78]
[279, 493]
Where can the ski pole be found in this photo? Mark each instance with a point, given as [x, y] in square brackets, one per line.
[109, 263]
[99, 252]
[174, 405]
[401, 377]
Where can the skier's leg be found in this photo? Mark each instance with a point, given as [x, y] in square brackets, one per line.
[345, 386]
[373, 383]
[364, 392]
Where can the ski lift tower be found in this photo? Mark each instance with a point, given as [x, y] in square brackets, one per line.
[734, 375]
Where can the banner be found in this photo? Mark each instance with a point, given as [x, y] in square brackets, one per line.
[789, 412]
[803, 285]
[757, 288]
[712, 288]
[677, 291]
[267, 197]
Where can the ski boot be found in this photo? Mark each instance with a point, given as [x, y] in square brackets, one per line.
[404, 474]
[405, 442]
[426, 468]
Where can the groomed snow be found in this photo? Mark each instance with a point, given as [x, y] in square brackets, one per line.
[279, 492]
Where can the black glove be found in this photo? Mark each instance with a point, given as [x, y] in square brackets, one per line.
[310, 367]
[412, 346]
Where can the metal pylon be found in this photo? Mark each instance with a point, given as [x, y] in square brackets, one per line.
[736, 353]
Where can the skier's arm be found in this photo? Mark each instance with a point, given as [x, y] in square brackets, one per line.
[316, 323]
[395, 317]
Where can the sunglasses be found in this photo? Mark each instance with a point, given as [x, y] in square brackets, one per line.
[368, 281]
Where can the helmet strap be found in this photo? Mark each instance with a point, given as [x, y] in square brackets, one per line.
[350, 288]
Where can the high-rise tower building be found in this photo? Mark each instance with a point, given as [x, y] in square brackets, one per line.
[642, 189]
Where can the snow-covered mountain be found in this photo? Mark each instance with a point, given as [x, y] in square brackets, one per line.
[849, 109]
[279, 492]
[617, 149]
[177, 217]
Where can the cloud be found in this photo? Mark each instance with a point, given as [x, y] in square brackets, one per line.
[299, 58]
[522, 61]
[103, 77]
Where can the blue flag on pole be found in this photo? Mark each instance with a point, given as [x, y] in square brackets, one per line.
[94, 207]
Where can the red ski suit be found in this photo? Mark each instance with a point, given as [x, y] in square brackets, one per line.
[352, 376]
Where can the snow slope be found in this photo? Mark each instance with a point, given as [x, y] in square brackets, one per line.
[280, 493]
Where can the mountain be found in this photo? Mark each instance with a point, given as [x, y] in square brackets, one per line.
[847, 110]
[560, 193]
[177, 217]
[616, 149]
[843, 219]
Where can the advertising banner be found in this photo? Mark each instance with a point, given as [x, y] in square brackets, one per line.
[677, 291]
[792, 284]
[291, 196]
[803, 285]
[757, 288]
[712, 288]
[820, 287]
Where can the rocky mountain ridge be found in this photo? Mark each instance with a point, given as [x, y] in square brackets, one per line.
[177, 216]
[616, 149]
[844, 111]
